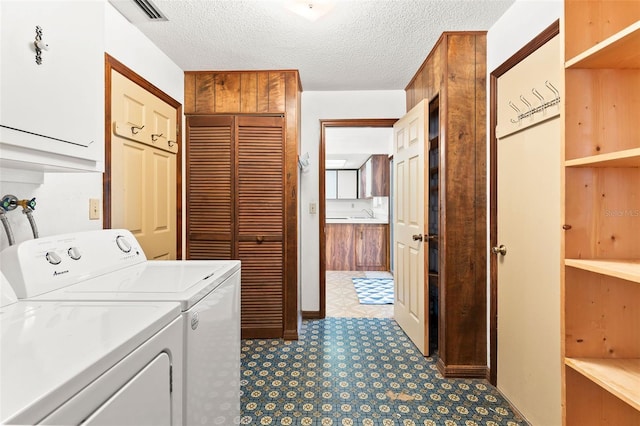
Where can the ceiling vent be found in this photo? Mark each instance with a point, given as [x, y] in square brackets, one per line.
[137, 11]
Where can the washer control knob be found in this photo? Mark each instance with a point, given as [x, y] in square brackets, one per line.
[74, 253]
[53, 258]
[123, 244]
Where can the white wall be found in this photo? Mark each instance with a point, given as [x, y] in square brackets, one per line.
[63, 198]
[330, 105]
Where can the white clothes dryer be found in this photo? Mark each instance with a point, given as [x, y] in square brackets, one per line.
[111, 266]
[90, 363]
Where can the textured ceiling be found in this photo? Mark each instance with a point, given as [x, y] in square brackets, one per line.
[358, 45]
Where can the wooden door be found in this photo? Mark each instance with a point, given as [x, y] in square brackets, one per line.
[528, 214]
[210, 187]
[260, 221]
[409, 224]
[143, 167]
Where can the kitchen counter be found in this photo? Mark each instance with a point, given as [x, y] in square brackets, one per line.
[356, 219]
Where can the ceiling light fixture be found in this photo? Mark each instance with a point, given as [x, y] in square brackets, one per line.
[310, 9]
[334, 164]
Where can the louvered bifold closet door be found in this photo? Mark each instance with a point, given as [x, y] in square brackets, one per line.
[209, 187]
[260, 223]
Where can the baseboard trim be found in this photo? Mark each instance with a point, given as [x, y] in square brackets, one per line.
[462, 371]
[514, 409]
[262, 333]
[311, 315]
[290, 335]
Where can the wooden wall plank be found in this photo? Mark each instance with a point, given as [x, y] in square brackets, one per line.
[205, 93]
[276, 91]
[227, 90]
[189, 93]
[249, 92]
[263, 92]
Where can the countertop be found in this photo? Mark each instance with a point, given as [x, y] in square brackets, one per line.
[356, 220]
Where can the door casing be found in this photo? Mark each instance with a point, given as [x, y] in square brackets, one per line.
[324, 124]
[541, 39]
[113, 64]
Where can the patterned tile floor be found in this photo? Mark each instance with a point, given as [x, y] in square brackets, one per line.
[342, 300]
[358, 371]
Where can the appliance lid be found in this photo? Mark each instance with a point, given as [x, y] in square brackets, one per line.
[184, 281]
[52, 350]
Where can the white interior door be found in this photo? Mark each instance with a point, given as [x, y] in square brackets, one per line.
[143, 167]
[529, 228]
[409, 224]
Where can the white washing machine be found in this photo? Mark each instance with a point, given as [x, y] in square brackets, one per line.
[110, 265]
[95, 363]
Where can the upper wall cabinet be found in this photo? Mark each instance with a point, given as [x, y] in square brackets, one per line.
[374, 177]
[341, 184]
[51, 114]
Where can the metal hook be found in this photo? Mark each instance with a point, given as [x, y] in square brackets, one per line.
[171, 143]
[517, 110]
[539, 96]
[526, 102]
[553, 89]
[134, 129]
[155, 136]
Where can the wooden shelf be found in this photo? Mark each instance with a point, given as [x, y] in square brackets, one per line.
[620, 377]
[618, 51]
[624, 269]
[626, 158]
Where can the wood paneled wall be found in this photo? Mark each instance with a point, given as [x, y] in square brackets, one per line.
[455, 70]
[272, 92]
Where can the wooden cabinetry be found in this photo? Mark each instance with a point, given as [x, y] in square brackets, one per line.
[374, 177]
[341, 184]
[452, 79]
[340, 247]
[371, 247]
[601, 288]
[242, 188]
[357, 247]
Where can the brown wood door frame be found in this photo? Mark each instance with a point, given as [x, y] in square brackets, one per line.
[110, 63]
[324, 124]
[547, 34]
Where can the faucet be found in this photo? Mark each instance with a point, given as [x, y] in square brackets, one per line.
[369, 212]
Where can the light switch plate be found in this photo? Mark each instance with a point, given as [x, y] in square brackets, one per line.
[313, 208]
[94, 209]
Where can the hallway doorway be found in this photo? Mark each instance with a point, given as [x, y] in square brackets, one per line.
[354, 212]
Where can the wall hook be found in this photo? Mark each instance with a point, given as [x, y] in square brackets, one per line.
[155, 136]
[553, 89]
[39, 45]
[540, 97]
[136, 129]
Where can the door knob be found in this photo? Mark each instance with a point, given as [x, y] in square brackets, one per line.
[417, 237]
[501, 250]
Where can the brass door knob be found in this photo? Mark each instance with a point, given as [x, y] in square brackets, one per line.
[417, 237]
[499, 250]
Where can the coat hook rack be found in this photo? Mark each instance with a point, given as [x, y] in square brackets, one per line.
[544, 104]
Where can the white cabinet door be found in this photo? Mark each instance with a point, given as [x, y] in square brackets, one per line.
[331, 184]
[348, 184]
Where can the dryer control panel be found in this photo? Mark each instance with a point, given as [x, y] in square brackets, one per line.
[38, 266]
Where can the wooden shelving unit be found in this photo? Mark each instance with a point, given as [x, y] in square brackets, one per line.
[601, 286]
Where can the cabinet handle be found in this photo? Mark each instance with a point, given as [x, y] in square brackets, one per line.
[259, 239]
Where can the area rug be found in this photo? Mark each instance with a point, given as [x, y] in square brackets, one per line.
[374, 291]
